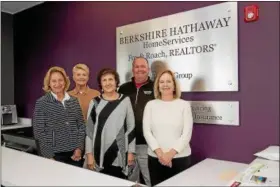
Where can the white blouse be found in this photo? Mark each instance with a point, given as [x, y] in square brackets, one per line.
[167, 125]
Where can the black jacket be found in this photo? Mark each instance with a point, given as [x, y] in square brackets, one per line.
[57, 128]
[139, 98]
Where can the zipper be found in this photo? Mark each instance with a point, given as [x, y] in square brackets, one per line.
[136, 99]
[53, 139]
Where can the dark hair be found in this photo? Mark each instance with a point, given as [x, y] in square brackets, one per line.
[108, 71]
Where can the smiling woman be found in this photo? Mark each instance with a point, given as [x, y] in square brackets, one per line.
[110, 140]
[167, 126]
[58, 122]
[56, 80]
[108, 80]
[82, 91]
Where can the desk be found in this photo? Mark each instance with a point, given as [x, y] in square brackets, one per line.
[16, 126]
[19, 136]
[271, 171]
[23, 169]
[209, 172]
[22, 123]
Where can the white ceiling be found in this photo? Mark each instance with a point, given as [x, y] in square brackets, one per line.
[13, 7]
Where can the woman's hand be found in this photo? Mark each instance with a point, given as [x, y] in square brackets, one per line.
[90, 161]
[130, 159]
[165, 158]
[160, 154]
[77, 155]
[168, 156]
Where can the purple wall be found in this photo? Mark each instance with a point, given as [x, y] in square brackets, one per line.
[65, 33]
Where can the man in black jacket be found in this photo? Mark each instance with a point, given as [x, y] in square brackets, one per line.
[140, 91]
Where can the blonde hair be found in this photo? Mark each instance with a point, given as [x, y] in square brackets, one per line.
[177, 91]
[47, 77]
[82, 67]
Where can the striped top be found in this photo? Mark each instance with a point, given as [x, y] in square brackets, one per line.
[58, 128]
[110, 132]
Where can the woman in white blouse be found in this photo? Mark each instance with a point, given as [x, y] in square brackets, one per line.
[167, 126]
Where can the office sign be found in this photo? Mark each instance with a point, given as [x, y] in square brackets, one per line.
[216, 112]
[199, 46]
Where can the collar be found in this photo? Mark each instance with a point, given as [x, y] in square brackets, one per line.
[120, 96]
[76, 91]
[66, 96]
[147, 81]
[138, 85]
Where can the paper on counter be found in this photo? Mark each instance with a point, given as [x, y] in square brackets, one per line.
[270, 153]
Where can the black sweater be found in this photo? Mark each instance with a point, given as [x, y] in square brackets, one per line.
[139, 98]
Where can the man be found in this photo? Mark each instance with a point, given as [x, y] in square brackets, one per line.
[140, 91]
[82, 90]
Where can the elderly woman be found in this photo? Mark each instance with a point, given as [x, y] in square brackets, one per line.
[110, 140]
[58, 121]
[82, 91]
[167, 127]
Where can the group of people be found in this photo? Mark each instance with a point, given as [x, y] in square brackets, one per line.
[142, 127]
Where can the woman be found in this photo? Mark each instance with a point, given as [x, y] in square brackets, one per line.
[167, 127]
[58, 121]
[110, 140]
[82, 91]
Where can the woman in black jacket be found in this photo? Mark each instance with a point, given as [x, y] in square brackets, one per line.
[58, 124]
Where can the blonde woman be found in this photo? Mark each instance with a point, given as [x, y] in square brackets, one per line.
[58, 121]
[167, 127]
[82, 91]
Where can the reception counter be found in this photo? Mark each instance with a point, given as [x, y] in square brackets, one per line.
[209, 172]
[23, 169]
